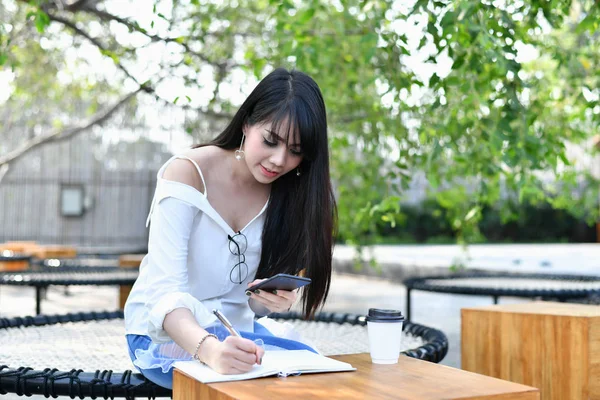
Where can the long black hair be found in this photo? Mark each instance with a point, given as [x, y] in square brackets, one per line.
[301, 216]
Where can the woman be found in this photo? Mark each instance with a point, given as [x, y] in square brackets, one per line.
[254, 202]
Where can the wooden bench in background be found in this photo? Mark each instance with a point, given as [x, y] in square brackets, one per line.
[14, 262]
[39, 251]
[19, 247]
[128, 261]
[54, 251]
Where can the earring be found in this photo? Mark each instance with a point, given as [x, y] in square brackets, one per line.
[239, 154]
[298, 172]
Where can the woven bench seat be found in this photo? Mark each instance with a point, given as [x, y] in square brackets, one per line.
[84, 354]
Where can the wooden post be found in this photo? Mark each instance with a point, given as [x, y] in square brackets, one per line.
[552, 346]
[128, 261]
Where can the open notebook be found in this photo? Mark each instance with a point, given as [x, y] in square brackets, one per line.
[273, 363]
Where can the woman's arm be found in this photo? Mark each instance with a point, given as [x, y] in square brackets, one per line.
[235, 355]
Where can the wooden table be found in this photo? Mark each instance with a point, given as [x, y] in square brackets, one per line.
[552, 346]
[410, 379]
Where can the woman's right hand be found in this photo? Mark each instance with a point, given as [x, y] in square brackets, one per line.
[234, 355]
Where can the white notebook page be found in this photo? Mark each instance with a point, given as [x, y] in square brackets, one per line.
[303, 361]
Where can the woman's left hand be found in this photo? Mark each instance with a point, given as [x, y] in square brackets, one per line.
[274, 301]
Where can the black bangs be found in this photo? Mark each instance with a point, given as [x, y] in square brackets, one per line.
[292, 122]
[292, 103]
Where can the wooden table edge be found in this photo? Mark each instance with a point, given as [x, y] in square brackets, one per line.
[518, 391]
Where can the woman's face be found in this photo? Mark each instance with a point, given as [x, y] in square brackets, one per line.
[267, 154]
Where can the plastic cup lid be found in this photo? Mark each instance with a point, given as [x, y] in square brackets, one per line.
[381, 315]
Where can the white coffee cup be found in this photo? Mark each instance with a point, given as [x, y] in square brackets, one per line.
[385, 334]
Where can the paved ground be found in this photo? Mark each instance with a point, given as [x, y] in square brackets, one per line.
[582, 258]
[357, 293]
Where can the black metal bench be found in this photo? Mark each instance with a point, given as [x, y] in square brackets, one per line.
[97, 332]
[593, 300]
[542, 286]
[67, 276]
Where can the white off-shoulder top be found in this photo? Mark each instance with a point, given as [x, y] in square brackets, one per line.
[189, 262]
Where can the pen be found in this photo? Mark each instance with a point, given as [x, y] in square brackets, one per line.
[232, 330]
[226, 323]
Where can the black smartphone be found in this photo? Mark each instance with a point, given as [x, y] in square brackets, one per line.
[281, 282]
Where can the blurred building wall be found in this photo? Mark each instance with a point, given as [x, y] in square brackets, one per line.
[117, 179]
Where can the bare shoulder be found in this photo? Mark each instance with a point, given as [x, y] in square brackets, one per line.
[184, 171]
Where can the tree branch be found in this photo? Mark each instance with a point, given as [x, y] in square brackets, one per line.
[39, 140]
[3, 170]
[208, 113]
[79, 4]
[89, 6]
[106, 16]
[221, 73]
[92, 40]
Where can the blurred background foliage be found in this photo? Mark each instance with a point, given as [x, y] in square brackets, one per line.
[494, 104]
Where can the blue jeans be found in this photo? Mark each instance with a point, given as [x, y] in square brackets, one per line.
[165, 379]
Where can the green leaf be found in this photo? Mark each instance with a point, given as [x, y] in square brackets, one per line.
[563, 158]
[589, 23]
[307, 15]
[448, 19]
[41, 21]
[472, 213]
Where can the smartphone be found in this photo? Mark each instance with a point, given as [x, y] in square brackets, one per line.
[281, 282]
